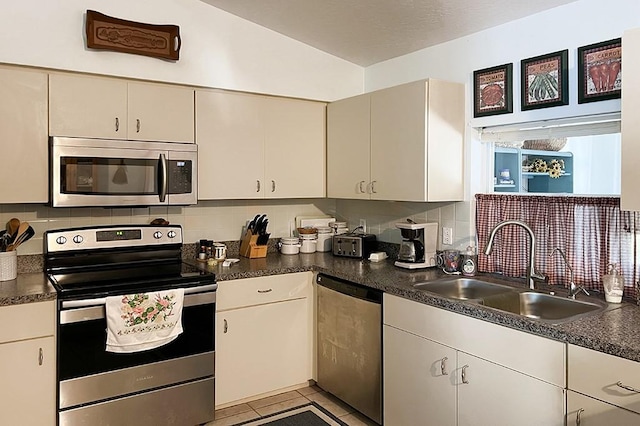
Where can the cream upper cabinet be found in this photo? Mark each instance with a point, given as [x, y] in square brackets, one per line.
[267, 147]
[23, 131]
[100, 107]
[629, 194]
[349, 148]
[463, 371]
[416, 143]
[28, 364]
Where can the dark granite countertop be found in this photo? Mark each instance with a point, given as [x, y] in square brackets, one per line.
[612, 331]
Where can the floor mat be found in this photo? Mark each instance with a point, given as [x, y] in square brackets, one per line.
[310, 414]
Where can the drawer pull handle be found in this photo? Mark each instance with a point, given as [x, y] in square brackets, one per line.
[273, 186]
[578, 414]
[137, 125]
[257, 186]
[464, 375]
[40, 357]
[629, 388]
[443, 366]
[265, 291]
[226, 326]
[117, 124]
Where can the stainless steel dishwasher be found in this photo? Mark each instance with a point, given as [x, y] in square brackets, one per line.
[349, 337]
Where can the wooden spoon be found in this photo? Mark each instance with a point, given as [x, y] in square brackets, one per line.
[24, 226]
[12, 227]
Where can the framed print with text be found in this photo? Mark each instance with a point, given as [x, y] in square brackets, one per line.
[545, 81]
[599, 71]
[492, 91]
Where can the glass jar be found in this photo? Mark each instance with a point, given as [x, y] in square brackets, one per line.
[339, 227]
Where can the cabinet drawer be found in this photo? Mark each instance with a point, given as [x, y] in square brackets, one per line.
[257, 291]
[597, 374]
[533, 355]
[27, 321]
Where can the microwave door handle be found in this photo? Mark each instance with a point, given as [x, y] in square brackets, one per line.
[162, 177]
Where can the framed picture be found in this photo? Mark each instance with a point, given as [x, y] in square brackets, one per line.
[545, 81]
[599, 67]
[492, 92]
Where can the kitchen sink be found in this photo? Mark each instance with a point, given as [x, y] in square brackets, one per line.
[542, 306]
[463, 288]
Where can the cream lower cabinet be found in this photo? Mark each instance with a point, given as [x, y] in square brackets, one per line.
[404, 143]
[254, 146]
[111, 108]
[263, 336]
[604, 389]
[28, 364]
[442, 368]
[23, 132]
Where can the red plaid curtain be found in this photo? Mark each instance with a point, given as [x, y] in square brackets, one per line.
[592, 231]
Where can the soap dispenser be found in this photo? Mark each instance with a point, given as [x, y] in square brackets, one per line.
[613, 284]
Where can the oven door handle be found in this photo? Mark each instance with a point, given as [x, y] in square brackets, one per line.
[92, 309]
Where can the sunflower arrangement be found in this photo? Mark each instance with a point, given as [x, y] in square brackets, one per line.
[555, 168]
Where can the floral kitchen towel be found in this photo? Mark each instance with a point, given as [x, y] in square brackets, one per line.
[137, 322]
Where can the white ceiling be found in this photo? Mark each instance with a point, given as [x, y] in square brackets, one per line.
[369, 31]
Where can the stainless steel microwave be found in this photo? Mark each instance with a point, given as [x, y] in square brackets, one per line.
[112, 173]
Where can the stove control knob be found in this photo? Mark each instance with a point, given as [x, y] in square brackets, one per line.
[78, 239]
[61, 240]
[157, 235]
[171, 234]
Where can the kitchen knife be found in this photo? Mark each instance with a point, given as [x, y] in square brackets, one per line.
[252, 224]
[259, 224]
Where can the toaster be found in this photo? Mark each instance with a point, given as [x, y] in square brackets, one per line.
[354, 245]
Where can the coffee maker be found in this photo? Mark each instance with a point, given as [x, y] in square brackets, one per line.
[418, 246]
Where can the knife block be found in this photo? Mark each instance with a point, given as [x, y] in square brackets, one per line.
[249, 247]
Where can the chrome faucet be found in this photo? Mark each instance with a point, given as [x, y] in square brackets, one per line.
[531, 270]
[573, 288]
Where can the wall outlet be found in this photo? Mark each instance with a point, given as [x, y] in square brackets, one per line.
[447, 236]
[363, 224]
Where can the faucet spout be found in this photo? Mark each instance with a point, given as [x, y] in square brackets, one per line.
[531, 270]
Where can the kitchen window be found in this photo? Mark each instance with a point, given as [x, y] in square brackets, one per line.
[564, 156]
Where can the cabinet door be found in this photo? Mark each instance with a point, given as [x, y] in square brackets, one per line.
[160, 113]
[23, 131]
[84, 106]
[629, 194]
[348, 147]
[294, 148]
[585, 411]
[230, 138]
[28, 371]
[261, 349]
[418, 380]
[494, 395]
[398, 155]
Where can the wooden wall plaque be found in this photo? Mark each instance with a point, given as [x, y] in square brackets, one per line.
[108, 33]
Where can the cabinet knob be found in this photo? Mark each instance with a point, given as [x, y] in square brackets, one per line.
[626, 387]
[464, 374]
[578, 414]
[137, 125]
[443, 366]
[117, 124]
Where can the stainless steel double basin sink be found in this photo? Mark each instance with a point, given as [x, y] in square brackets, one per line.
[527, 303]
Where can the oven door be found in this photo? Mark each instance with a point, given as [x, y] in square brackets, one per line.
[88, 374]
[94, 172]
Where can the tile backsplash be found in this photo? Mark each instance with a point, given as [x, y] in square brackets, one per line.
[224, 220]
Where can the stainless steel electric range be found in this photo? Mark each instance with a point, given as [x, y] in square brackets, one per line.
[172, 384]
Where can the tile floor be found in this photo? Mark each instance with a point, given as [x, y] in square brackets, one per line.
[261, 407]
